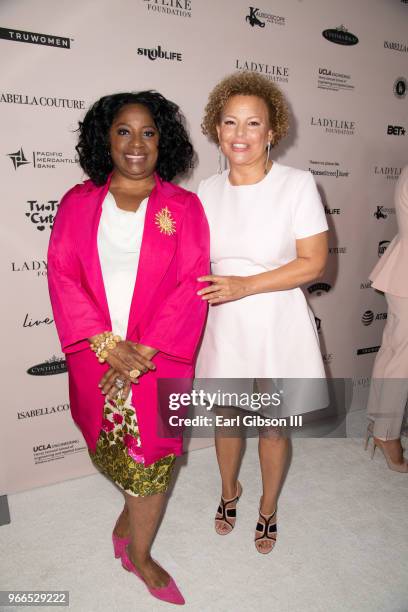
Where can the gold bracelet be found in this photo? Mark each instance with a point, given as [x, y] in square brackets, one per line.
[103, 343]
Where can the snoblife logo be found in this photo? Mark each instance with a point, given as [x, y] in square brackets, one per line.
[35, 38]
[159, 53]
[259, 18]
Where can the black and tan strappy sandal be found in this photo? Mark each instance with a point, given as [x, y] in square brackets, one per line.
[226, 517]
[266, 531]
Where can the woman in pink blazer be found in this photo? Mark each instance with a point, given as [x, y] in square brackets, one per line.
[389, 384]
[125, 253]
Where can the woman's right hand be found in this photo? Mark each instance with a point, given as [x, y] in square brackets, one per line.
[125, 357]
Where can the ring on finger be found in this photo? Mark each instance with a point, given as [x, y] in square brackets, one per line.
[119, 383]
[134, 373]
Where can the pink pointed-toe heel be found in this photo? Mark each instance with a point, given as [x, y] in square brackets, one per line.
[169, 593]
[119, 545]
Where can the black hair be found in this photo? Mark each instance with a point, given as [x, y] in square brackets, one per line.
[175, 153]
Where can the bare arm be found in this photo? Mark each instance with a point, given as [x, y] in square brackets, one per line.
[309, 265]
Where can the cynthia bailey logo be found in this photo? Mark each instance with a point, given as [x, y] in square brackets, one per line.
[42, 214]
[38, 267]
[49, 102]
[334, 126]
[35, 38]
[55, 365]
[159, 53]
[180, 8]
[49, 160]
[340, 36]
[258, 17]
[273, 72]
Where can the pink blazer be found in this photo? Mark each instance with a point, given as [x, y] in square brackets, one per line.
[166, 312]
[391, 272]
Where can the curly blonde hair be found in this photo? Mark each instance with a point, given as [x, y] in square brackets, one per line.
[246, 84]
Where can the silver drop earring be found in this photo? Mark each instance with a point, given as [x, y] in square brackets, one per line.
[268, 151]
[219, 160]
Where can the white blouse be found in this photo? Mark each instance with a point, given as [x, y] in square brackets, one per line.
[120, 235]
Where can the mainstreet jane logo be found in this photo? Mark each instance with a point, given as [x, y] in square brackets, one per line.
[319, 288]
[400, 88]
[180, 8]
[258, 17]
[55, 365]
[334, 126]
[42, 214]
[382, 212]
[159, 53]
[340, 36]
[333, 81]
[49, 40]
[41, 159]
[273, 72]
[327, 168]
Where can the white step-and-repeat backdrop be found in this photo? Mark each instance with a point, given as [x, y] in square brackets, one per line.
[344, 69]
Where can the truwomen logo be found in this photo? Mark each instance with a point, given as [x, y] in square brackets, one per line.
[35, 38]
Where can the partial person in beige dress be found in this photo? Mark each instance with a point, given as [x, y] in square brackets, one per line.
[389, 385]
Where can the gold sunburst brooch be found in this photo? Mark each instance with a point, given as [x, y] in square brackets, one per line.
[165, 222]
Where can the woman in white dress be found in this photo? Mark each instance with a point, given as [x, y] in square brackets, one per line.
[268, 235]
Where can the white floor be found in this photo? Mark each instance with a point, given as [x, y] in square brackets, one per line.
[342, 544]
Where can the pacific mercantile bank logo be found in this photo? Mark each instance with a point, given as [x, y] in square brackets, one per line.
[41, 160]
[159, 53]
[340, 36]
[259, 18]
[35, 38]
[273, 72]
[55, 365]
[42, 214]
[329, 169]
[334, 126]
[180, 8]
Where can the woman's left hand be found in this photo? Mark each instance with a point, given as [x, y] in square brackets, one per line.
[223, 288]
[110, 381]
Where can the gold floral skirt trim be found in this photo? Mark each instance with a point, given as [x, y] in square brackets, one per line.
[119, 454]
